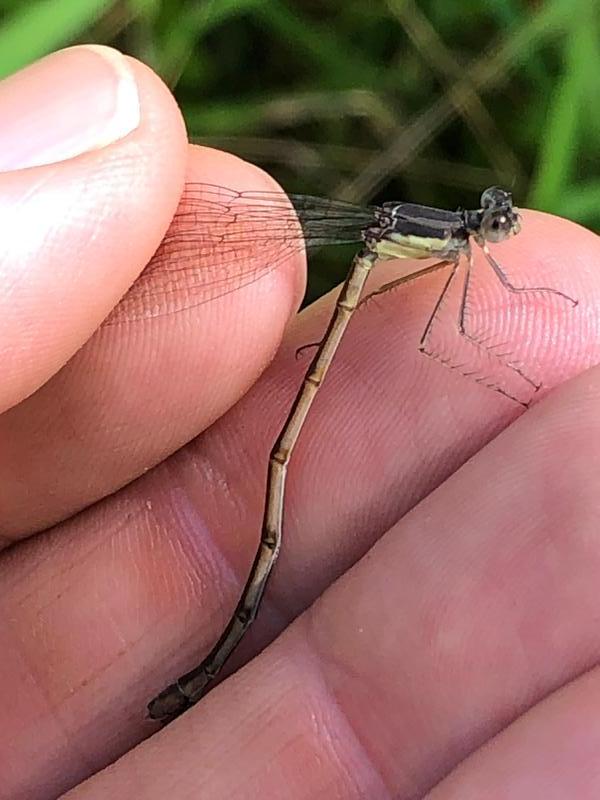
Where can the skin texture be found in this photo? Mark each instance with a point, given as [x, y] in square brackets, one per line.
[444, 543]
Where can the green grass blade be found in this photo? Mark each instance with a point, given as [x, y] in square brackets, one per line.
[560, 139]
[582, 204]
[40, 27]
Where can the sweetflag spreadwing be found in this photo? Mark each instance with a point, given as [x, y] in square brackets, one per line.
[227, 226]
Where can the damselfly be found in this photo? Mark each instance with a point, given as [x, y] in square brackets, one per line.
[227, 231]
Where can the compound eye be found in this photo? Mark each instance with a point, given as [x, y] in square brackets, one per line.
[495, 196]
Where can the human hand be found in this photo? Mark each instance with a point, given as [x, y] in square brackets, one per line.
[472, 617]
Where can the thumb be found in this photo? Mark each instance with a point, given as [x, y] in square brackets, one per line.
[92, 159]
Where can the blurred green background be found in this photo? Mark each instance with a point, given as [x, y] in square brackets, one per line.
[427, 100]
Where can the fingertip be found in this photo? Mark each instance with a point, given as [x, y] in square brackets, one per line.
[557, 242]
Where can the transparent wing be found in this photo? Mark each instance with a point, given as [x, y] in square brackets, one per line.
[221, 239]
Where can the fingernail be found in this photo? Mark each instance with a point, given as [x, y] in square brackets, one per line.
[69, 103]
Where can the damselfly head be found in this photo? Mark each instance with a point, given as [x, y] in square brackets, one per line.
[499, 218]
